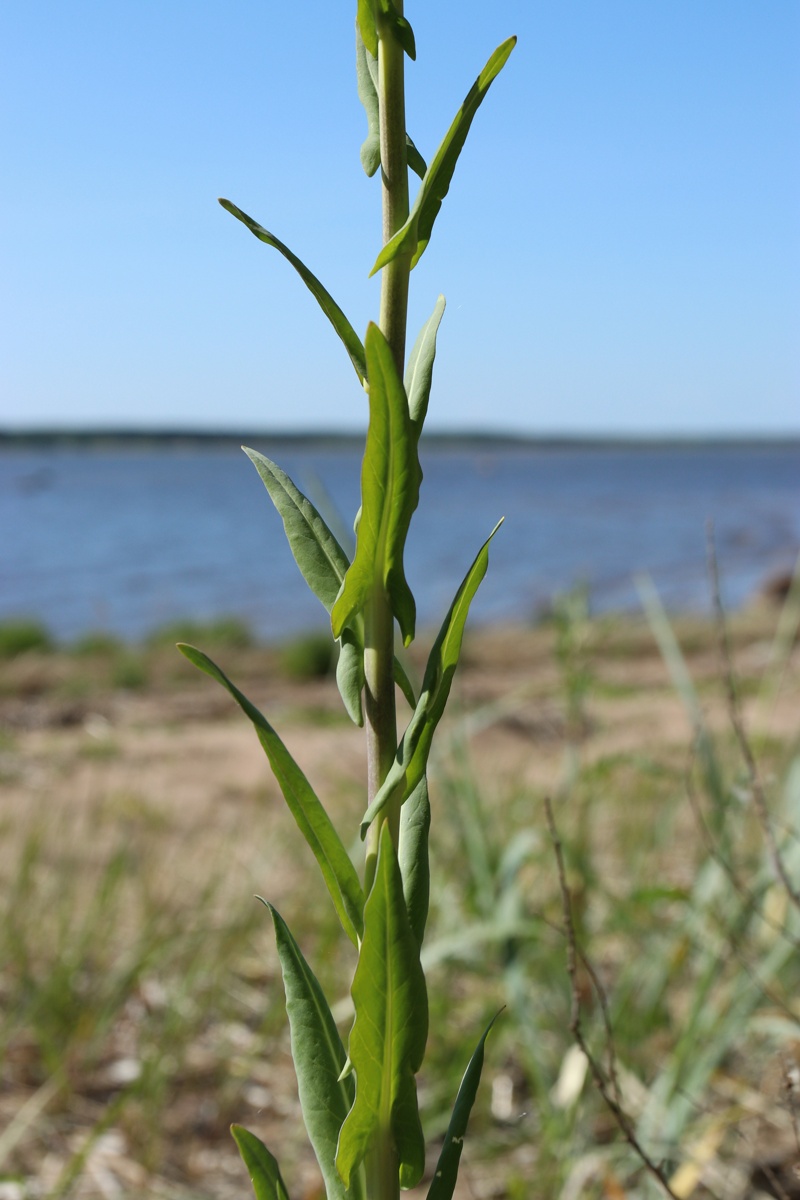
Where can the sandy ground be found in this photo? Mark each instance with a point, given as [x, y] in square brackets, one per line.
[177, 750]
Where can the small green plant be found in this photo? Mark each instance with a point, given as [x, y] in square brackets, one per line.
[360, 1103]
[310, 656]
[22, 634]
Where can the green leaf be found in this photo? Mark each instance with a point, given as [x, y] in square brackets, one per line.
[322, 561]
[351, 340]
[410, 763]
[265, 1174]
[415, 824]
[419, 370]
[414, 236]
[399, 27]
[314, 823]
[446, 1173]
[387, 1041]
[319, 1058]
[404, 683]
[367, 80]
[350, 676]
[390, 479]
[365, 21]
[414, 159]
[323, 564]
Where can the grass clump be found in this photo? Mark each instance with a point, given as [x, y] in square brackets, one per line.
[22, 635]
[310, 656]
[227, 633]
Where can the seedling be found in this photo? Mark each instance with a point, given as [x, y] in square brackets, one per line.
[360, 1103]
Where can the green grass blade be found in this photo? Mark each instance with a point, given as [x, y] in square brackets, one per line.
[412, 754]
[314, 823]
[319, 1057]
[349, 337]
[414, 236]
[387, 1042]
[446, 1173]
[419, 371]
[415, 824]
[265, 1174]
[390, 480]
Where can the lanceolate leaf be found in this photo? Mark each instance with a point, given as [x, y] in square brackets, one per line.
[446, 1173]
[265, 1174]
[323, 564]
[365, 20]
[419, 370]
[319, 1057]
[415, 824]
[338, 871]
[350, 676]
[351, 340]
[387, 1042]
[415, 160]
[409, 766]
[390, 480]
[400, 29]
[366, 77]
[322, 561]
[414, 236]
[404, 683]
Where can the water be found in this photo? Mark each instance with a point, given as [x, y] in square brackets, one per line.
[125, 540]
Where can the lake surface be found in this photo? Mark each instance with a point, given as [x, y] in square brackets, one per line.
[127, 539]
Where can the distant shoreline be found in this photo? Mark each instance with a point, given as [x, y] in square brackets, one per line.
[155, 439]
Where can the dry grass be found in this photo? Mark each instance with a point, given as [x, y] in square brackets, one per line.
[142, 1006]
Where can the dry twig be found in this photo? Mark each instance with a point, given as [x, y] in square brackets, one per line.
[608, 1088]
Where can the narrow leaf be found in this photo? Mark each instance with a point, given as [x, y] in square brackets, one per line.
[351, 340]
[319, 1058]
[414, 236]
[323, 564]
[387, 1041]
[390, 479]
[410, 763]
[322, 561]
[415, 824]
[404, 683]
[265, 1174]
[350, 674]
[366, 78]
[400, 28]
[414, 159]
[365, 20]
[314, 823]
[419, 370]
[446, 1173]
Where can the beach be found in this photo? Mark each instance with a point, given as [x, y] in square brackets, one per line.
[141, 819]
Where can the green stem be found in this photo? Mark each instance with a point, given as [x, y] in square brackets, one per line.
[380, 714]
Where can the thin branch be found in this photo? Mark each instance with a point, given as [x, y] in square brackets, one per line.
[747, 895]
[610, 1095]
[734, 713]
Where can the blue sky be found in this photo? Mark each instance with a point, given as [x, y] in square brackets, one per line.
[620, 249]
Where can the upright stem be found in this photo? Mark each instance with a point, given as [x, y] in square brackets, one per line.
[381, 721]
